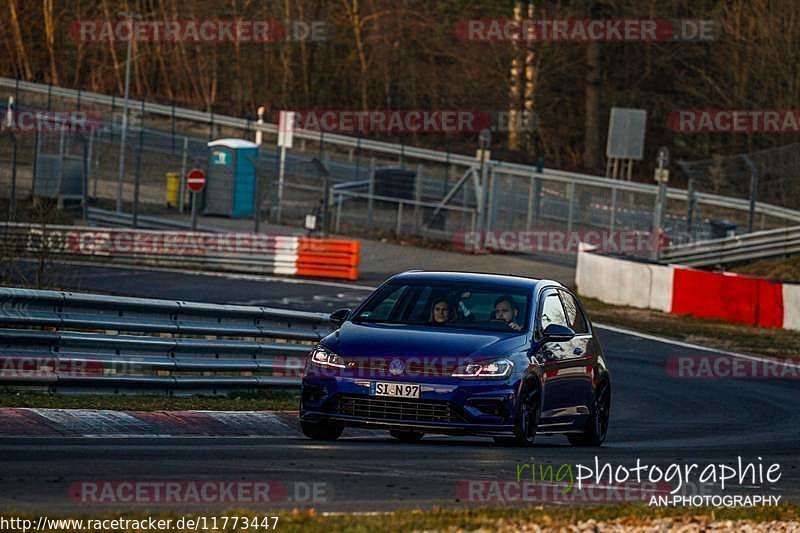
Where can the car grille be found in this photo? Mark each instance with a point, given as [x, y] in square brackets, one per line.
[408, 409]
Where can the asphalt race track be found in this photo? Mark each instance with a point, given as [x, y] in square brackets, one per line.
[655, 418]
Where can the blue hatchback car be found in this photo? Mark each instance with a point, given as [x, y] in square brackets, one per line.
[460, 353]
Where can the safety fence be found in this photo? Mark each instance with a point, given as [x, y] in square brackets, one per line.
[686, 291]
[64, 341]
[736, 249]
[444, 193]
[259, 253]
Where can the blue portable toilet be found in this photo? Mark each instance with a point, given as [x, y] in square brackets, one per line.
[231, 179]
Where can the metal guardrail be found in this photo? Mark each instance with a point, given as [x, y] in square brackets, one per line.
[105, 218]
[258, 253]
[162, 345]
[402, 151]
[757, 245]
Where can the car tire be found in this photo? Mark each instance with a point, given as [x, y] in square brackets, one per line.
[597, 425]
[527, 422]
[321, 430]
[407, 436]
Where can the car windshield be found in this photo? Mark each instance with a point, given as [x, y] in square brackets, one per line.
[437, 305]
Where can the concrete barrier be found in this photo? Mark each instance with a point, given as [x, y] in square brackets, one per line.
[661, 286]
[675, 289]
[602, 278]
[791, 306]
[727, 296]
[621, 282]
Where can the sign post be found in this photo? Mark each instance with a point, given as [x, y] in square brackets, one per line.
[483, 154]
[626, 129]
[662, 178]
[196, 182]
[285, 136]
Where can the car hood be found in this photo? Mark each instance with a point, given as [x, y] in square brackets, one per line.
[383, 340]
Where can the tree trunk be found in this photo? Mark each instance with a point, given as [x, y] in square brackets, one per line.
[514, 88]
[530, 86]
[114, 59]
[591, 134]
[352, 8]
[50, 38]
[24, 62]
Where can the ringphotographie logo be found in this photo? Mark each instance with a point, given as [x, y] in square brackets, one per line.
[582, 30]
[674, 484]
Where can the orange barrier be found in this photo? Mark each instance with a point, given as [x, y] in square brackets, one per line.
[325, 258]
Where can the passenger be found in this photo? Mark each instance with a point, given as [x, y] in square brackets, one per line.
[440, 312]
[506, 310]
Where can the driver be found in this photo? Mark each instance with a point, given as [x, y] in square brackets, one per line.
[505, 309]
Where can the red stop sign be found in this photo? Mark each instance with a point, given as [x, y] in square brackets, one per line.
[196, 179]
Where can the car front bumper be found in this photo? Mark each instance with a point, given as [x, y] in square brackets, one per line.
[476, 407]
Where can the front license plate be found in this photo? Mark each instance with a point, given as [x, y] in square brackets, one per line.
[398, 390]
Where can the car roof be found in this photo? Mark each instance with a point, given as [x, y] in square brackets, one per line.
[508, 280]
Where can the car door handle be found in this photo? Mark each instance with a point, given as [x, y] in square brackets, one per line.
[578, 351]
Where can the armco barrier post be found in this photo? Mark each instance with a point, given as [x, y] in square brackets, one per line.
[182, 193]
[370, 194]
[529, 216]
[12, 203]
[571, 196]
[137, 174]
[613, 218]
[661, 177]
[417, 196]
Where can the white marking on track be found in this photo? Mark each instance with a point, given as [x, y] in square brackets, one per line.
[689, 345]
[248, 277]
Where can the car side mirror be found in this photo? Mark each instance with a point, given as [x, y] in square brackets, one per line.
[339, 316]
[558, 333]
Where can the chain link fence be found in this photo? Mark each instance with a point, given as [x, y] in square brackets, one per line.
[368, 188]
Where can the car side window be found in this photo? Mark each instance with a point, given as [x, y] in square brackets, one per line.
[553, 311]
[422, 305]
[384, 309]
[575, 318]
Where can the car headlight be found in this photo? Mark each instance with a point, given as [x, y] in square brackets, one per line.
[499, 368]
[324, 357]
